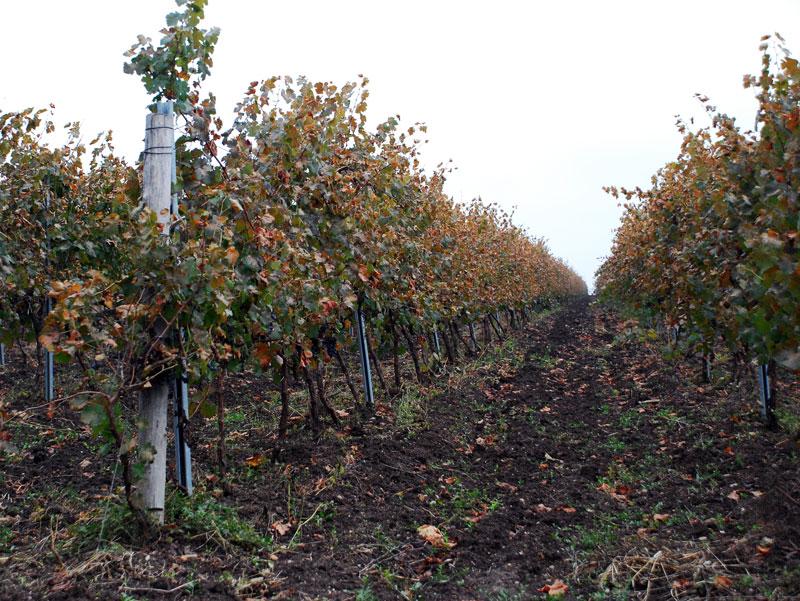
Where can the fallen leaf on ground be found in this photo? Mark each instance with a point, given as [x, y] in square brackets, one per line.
[255, 460]
[282, 528]
[556, 589]
[431, 534]
[733, 496]
[660, 517]
[763, 549]
[619, 492]
[722, 581]
[682, 583]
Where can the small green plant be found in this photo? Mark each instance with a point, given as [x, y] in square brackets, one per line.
[544, 360]
[203, 514]
[788, 421]
[6, 536]
[108, 523]
[615, 444]
[410, 410]
[236, 417]
[668, 416]
[629, 419]
[325, 513]
[365, 593]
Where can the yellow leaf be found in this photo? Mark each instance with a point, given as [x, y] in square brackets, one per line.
[255, 460]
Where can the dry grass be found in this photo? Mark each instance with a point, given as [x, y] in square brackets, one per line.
[688, 571]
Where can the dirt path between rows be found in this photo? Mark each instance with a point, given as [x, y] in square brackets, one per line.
[575, 460]
[590, 448]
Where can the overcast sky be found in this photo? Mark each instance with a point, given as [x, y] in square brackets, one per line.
[538, 104]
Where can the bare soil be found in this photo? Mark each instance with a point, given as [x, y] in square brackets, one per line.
[572, 452]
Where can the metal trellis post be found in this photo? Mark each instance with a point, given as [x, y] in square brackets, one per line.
[363, 351]
[765, 393]
[49, 371]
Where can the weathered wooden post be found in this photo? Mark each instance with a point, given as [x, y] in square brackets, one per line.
[2, 354]
[363, 351]
[159, 148]
[472, 337]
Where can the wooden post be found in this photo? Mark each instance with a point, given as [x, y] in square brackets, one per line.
[159, 148]
[2, 354]
[473, 338]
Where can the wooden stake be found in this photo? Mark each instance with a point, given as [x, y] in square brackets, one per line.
[159, 148]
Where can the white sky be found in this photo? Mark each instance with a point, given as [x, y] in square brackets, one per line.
[538, 104]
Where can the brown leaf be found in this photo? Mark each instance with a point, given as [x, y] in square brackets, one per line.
[282, 528]
[506, 486]
[556, 589]
[682, 583]
[431, 534]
